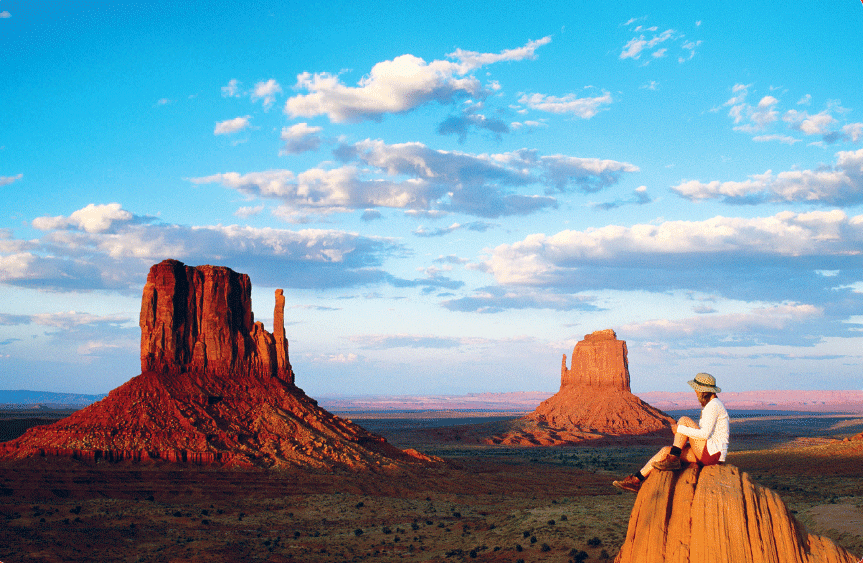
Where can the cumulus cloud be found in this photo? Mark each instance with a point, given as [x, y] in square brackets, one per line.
[92, 219]
[818, 124]
[415, 177]
[759, 118]
[569, 104]
[300, 138]
[839, 184]
[772, 258]
[398, 86]
[266, 92]
[102, 246]
[249, 211]
[231, 125]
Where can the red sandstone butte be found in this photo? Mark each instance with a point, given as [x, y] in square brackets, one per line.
[594, 402]
[718, 515]
[215, 387]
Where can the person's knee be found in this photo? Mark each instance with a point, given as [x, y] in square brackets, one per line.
[686, 421]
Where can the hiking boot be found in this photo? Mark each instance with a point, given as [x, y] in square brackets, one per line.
[630, 483]
[670, 463]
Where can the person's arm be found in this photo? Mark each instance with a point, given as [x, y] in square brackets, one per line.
[708, 420]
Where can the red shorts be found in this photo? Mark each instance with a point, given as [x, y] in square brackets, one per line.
[707, 459]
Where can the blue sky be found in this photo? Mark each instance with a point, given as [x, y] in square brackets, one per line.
[451, 194]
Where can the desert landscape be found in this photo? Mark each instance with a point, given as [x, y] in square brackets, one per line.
[485, 503]
[213, 453]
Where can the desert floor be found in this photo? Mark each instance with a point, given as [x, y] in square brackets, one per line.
[483, 504]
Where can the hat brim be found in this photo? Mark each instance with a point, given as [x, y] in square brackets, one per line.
[701, 388]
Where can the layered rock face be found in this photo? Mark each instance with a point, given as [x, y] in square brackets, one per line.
[593, 404]
[599, 361]
[718, 515]
[215, 387]
[200, 320]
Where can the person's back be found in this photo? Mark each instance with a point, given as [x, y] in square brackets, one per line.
[715, 415]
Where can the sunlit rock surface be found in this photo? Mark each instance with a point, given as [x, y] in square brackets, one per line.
[594, 401]
[215, 387]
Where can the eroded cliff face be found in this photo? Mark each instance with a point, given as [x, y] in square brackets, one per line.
[215, 387]
[600, 360]
[718, 515]
[594, 402]
[200, 320]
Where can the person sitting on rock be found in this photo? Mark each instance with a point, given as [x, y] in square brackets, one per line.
[705, 443]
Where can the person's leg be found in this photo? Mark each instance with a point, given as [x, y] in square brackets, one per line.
[680, 447]
[671, 461]
[658, 456]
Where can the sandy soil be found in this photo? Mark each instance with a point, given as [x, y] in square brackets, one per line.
[485, 504]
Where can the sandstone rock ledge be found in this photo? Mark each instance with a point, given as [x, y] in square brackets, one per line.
[718, 515]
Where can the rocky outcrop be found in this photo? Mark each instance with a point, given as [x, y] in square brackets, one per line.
[215, 387]
[594, 402]
[598, 361]
[718, 515]
[200, 320]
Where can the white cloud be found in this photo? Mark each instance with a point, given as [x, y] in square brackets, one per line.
[840, 184]
[231, 125]
[780, 138]
[397, 86]
[96, 248]
[246, 212]
[473, 60]
[232, 89]
[5, 14]
[817, 124]
[301, 138]
[580, 107]
[773, 318]
[759, 118]
[853, 132]
[92, 219]
[415, 177]
[6, 180]
[635, 46]
[542, 259]
[266, 91]
[69, 319]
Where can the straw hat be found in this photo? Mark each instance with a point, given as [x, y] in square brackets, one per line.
[704, 383]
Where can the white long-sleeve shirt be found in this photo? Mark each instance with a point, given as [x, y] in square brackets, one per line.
[713, 427]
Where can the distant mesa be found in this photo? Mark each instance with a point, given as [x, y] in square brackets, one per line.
[594, 405]
[215, 387]
[718, 515]
[594, 402]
